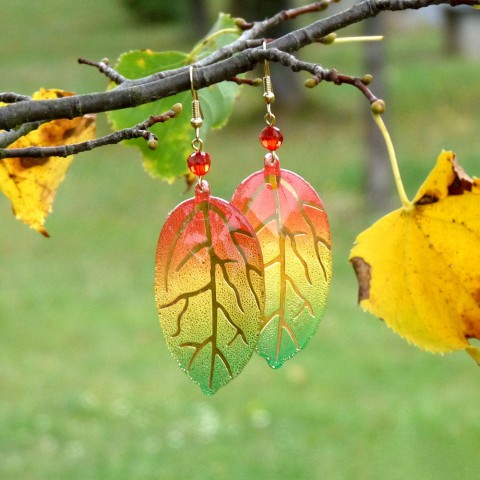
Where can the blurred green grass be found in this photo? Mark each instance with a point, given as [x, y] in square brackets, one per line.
[87, 387]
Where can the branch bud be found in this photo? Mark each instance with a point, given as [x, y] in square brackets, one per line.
[367, 79]
[152, 144]
[242, 24]
[324, 4]
[328, 39]
[311, 82]
[177, 109]
[378, 107]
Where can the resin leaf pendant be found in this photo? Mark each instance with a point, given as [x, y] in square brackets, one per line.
[290, 222]
[209, 289]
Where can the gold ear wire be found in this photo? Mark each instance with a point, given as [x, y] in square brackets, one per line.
[197, 115]
[268, 94]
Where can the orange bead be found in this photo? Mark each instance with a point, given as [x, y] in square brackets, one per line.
[271, 138]
[199, 163]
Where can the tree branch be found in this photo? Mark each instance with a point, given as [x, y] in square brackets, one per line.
[138, 131]
[228, 62]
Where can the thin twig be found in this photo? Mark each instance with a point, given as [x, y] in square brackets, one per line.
[104, 67]
[137, 131]
[66, 150]
[10, 136]
[319, 73]
[254, 82]
[313, 7]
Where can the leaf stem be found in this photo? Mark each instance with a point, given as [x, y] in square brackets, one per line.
[371, 38]
[406, 203]
[201, 45]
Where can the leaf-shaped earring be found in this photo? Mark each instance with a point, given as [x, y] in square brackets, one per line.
[290, 222]
[209, 284]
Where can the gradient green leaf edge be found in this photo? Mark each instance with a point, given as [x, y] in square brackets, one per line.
[168, 161]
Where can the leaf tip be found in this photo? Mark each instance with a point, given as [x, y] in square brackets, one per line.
[43, 231]
[448, 178]
[363, 272]
[461, 181]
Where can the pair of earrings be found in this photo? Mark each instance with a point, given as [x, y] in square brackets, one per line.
[250, 274]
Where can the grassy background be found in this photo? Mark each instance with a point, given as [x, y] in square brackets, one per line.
[87, 387]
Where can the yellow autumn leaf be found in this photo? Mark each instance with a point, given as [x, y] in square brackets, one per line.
[31, 183]
[418, 268]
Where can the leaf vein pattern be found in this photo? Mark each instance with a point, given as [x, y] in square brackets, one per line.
[248, 266]
[218, 271]
[317, 238]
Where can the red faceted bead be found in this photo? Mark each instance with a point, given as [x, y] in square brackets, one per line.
[199, 163]
[271, 138]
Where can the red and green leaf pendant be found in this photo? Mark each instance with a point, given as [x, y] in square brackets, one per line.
[248, 275]
[291, 224]
[209, 286]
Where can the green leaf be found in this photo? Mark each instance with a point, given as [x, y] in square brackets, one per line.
[168, 161]
[223, 32]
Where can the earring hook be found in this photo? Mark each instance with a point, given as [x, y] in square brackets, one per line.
[268, 94]
[197, 114]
